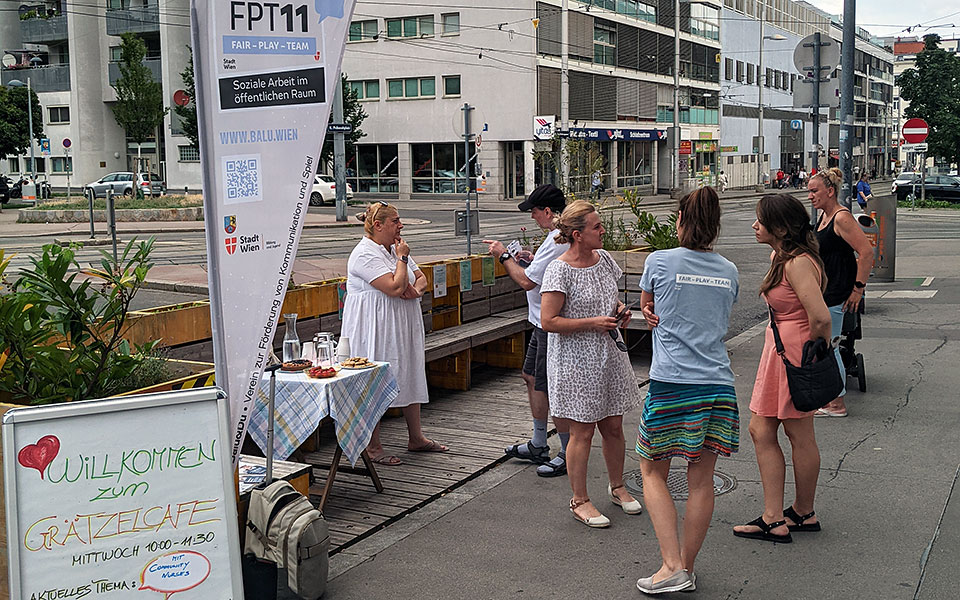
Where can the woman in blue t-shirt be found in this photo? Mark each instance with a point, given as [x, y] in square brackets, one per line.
[691, 406]
[864, 193]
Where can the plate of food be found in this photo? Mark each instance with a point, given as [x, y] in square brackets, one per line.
[357, 362]
[321, 372]
[296, 365]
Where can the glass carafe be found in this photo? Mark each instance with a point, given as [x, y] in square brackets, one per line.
[291, 342]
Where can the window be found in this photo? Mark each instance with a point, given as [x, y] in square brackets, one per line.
[767, 76]
[59, 114]
[632, 8]
[412, 87]
[363, 30]
[704, 21]
[634, 163]
[14, 164]
[40, 164]
[740, 71]
[451, 23]
[728, 68]
[451, 85]
[115, 54]
[604, 44]
[189, 153]
[373, 168]
[366, 90]
[749, 74]
[61, 164]
[439, 168]
[411, 27]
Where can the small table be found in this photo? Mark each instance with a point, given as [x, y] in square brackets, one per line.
[356, 400]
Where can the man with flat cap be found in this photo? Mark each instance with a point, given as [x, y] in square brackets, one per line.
[545, 203]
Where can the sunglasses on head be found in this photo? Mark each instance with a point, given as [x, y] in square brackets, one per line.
[380, 204]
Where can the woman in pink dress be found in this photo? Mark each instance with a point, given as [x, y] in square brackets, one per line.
[793, 288]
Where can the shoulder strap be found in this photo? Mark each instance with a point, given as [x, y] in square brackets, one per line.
[776, 337]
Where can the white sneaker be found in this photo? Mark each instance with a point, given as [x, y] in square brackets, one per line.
[678, 582]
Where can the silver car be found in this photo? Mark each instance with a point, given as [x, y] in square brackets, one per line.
[122, 183]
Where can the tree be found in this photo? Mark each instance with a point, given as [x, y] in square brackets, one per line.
[14, 122]
[352, 114]
[188, 113]
[139, 109]
[933, 90]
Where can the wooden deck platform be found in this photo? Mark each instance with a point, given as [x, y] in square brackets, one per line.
[476, 424]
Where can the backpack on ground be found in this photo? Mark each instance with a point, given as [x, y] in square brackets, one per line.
[285, 529]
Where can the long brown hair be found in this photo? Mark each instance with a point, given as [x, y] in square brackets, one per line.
[700, 224]
[785, 218]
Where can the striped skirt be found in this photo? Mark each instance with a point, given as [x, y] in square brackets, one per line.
[684, 419]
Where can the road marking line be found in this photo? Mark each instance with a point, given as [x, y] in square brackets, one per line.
[927, 282]
[908, 294]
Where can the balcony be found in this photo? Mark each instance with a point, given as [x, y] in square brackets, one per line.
[44, 31]
[113, 70]
[133, 20]
[49, 78]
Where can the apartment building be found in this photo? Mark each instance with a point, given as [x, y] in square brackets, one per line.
[778, 26]
[70, 54]
[415, 65]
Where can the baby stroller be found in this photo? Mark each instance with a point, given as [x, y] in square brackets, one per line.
[849, 334]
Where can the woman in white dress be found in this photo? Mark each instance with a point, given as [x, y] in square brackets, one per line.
[382, 319]
[590, 380]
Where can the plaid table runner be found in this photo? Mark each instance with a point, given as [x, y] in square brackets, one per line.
[355, 399]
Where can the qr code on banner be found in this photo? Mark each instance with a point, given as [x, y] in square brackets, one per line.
[242, 179]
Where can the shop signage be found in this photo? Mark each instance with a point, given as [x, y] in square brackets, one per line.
[710, 146]
[685, 147]
[729, 149]
[705, 135]
[607, 135]
[264, 75]
[543, 127]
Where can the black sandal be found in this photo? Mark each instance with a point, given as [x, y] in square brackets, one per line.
[799, 520]
[764, 533]
[535, 454]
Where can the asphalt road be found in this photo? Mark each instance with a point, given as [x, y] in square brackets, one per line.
[431, 233]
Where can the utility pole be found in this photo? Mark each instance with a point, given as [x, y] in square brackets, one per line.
[816, 115]
[339, 154]
[848, 52]
[675, 159]
[564, 93]
[760, 144]
[466, 168]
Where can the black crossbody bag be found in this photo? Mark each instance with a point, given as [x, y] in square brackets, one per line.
[817, 380]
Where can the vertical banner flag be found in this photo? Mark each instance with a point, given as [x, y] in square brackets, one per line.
[265, 78]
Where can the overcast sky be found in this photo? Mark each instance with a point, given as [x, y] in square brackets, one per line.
[891, 17]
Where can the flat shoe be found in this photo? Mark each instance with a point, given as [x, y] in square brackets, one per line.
[826, 412]
[429, 447]
[596, 522]
[388, 460]
[692, 588]
[632, 507]
[799, 520]
[677, 582]
[764, 533]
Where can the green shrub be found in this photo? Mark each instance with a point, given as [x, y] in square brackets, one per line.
[64, 336]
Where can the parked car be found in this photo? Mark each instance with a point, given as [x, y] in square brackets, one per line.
[325, 191]
[122, 183]
[939, 187]
[4, 189]
[904, 180]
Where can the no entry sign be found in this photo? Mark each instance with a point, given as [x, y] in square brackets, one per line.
[915, 131]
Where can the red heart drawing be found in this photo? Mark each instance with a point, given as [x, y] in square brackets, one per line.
[38, 456]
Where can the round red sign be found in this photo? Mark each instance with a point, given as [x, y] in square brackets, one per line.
[915, 131]
[180, 98]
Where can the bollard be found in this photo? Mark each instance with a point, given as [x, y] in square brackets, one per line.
[90, 196]
[112, 222]
[186, 190]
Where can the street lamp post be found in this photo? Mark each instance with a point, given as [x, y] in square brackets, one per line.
[760, 83]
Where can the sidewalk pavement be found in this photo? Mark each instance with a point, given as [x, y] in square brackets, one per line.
[891, 519]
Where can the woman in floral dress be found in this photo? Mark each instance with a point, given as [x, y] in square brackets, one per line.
[590, 381]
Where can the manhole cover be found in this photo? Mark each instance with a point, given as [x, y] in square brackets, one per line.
[677, 482]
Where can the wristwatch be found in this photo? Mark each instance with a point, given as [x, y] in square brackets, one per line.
[505, 257]
[859, 285]
[405, 259]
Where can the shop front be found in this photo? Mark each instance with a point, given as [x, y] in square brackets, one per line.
[625, 157]
[704, 161]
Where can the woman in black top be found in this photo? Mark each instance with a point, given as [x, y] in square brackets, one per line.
[847, 259]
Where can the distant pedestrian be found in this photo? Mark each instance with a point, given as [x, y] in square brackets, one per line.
[596, 183]
[691, 407]
[864, 193]
[780, 179]
[793, 288]
[803, 177]
[722, 182]
[590, 380]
